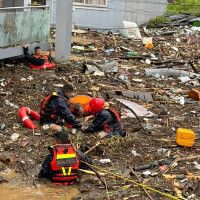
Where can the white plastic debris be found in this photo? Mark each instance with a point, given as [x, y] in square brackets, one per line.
[30, 78]
[135, 153]
[74, 131]
[161, 150]
[14, 137]
[197, 165]
[182, 100]
[104, 161]
[184, 79]
[148, 61]
[58, 85]
[146, 174]
[23, 79]
[175, 49]
[7, 102]
[137, 73]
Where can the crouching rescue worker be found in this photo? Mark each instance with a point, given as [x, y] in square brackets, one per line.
[55, 111]
[80, 105]
[105, 119]
[39, 58]
[62, 164]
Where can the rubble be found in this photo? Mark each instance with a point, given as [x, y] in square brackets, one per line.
[153, 83]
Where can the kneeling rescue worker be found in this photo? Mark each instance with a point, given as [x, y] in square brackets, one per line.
[105, 119]
[62, 164]
[55, 110]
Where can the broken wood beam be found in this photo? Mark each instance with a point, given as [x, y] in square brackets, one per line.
[96, 145]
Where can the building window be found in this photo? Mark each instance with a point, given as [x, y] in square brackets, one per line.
[91, 2]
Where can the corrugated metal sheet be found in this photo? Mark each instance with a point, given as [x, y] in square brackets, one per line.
[24, 27]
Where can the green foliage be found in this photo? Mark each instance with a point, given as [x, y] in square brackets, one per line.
[187, 6]
[158, 20]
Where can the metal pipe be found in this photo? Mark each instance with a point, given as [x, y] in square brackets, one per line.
[27, 7]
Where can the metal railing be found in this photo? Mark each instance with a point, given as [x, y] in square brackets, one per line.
[27, 7]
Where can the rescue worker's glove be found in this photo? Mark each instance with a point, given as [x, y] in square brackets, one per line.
[79, 125]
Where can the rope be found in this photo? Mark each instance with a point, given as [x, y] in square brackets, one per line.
[124, 178]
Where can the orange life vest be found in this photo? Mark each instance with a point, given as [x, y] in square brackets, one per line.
[42, 57]
[84, 100]
[64, 165]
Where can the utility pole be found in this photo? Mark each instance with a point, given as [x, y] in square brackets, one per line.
[64, 9]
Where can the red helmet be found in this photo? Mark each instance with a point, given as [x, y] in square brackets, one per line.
[96, 105]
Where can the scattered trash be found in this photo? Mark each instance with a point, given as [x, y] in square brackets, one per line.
[194, 94]
[147, 40]
[170, 72]
[149, 45]
[14, 137]
[185, 137]
[58, 85]
[104, 161]
[168, 161]
[110, 67]
[139, 110]
[135, 153]
[24, 143]
[146, 174]
[7, 102]
[143, 96]
[3, 126]
[197, 165]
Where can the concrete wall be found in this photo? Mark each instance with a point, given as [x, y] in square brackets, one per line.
[94, 17]
[142, 11]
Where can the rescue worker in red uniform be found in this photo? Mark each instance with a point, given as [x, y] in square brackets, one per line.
[105, 119]
[62, 164]
[39, 58]
[55, 110]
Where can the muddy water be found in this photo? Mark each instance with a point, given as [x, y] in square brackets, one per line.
[45, 191]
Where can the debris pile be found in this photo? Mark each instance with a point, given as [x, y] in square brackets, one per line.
[155, 88]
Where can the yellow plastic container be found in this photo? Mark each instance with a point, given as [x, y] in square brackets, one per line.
[185, 137]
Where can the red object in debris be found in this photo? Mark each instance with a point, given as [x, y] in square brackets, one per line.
[24, 143]
[194, 94]
[47, 66]
[162, 168]
[23, 114]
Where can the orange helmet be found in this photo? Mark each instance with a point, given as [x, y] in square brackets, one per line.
[96, 105]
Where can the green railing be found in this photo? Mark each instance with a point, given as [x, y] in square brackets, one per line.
[21, 25]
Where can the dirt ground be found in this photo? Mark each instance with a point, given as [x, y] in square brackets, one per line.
[28, 87]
